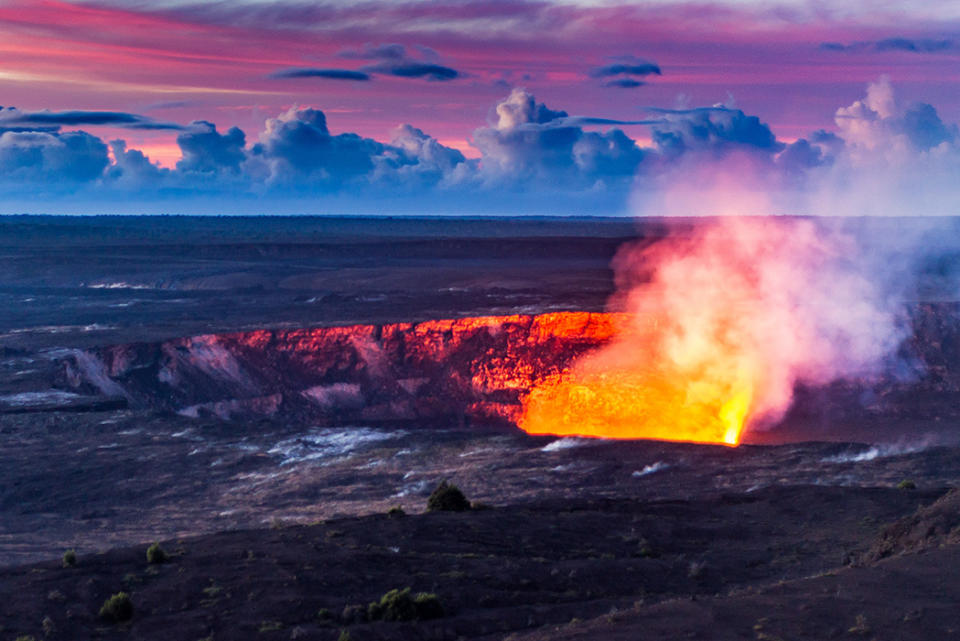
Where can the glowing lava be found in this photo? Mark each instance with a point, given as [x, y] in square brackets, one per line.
[661, 401]
[721, 323]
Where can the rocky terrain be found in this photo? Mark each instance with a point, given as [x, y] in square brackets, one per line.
[258, 398]
[796, 562]
[432, 373]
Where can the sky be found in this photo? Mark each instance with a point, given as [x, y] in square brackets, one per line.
[494, 106]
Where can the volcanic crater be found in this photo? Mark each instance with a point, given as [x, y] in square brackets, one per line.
[269, 463]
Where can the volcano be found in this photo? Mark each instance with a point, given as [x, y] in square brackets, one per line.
[275, 404]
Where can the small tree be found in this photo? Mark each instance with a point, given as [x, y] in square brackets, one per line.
[69, 558]
[447, 498]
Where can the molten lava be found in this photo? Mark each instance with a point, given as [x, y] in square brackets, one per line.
[602, 398]
[720, 325]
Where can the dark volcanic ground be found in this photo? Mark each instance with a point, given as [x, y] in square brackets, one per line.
[105, 280]
[269, 520]
[770, 564]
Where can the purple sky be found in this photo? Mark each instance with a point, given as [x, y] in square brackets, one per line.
[151, 68]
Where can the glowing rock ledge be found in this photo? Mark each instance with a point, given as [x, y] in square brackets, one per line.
[521, 370]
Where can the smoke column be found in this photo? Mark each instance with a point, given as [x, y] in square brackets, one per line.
[719, 326]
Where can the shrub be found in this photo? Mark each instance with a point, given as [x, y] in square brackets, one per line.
[400, 605]
[447, 498]
[906, 484]
[69, 558]
[117, 608]
[155, 554]
[324, 614]
[396, 512]
[344, 635]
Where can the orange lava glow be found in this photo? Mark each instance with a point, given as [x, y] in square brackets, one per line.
[715, 331]
[659, 401]
[721, 323]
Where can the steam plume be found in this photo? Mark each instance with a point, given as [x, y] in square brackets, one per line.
[720, 326]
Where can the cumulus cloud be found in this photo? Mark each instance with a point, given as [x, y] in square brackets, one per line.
[531, 141]
[131, 169]
[55, 160]
[419, 160]
[297, 153]
[895, 159]
[207, 151]
[297, 144]
[883, 157]
[716, 128]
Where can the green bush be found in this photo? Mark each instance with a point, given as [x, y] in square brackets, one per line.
[117, 608]
[447, 498]
[69, 558]
[400, 605]
[906, 484]
[396, 512]
[155, 554]
[344, 635]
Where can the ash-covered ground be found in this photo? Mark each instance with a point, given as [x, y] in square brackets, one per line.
[90, 473]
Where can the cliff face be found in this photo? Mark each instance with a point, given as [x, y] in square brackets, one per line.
[445, 372]
[464, 370]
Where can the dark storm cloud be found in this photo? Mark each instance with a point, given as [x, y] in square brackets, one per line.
[330, 74]
[913, 45]
[12, 116]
